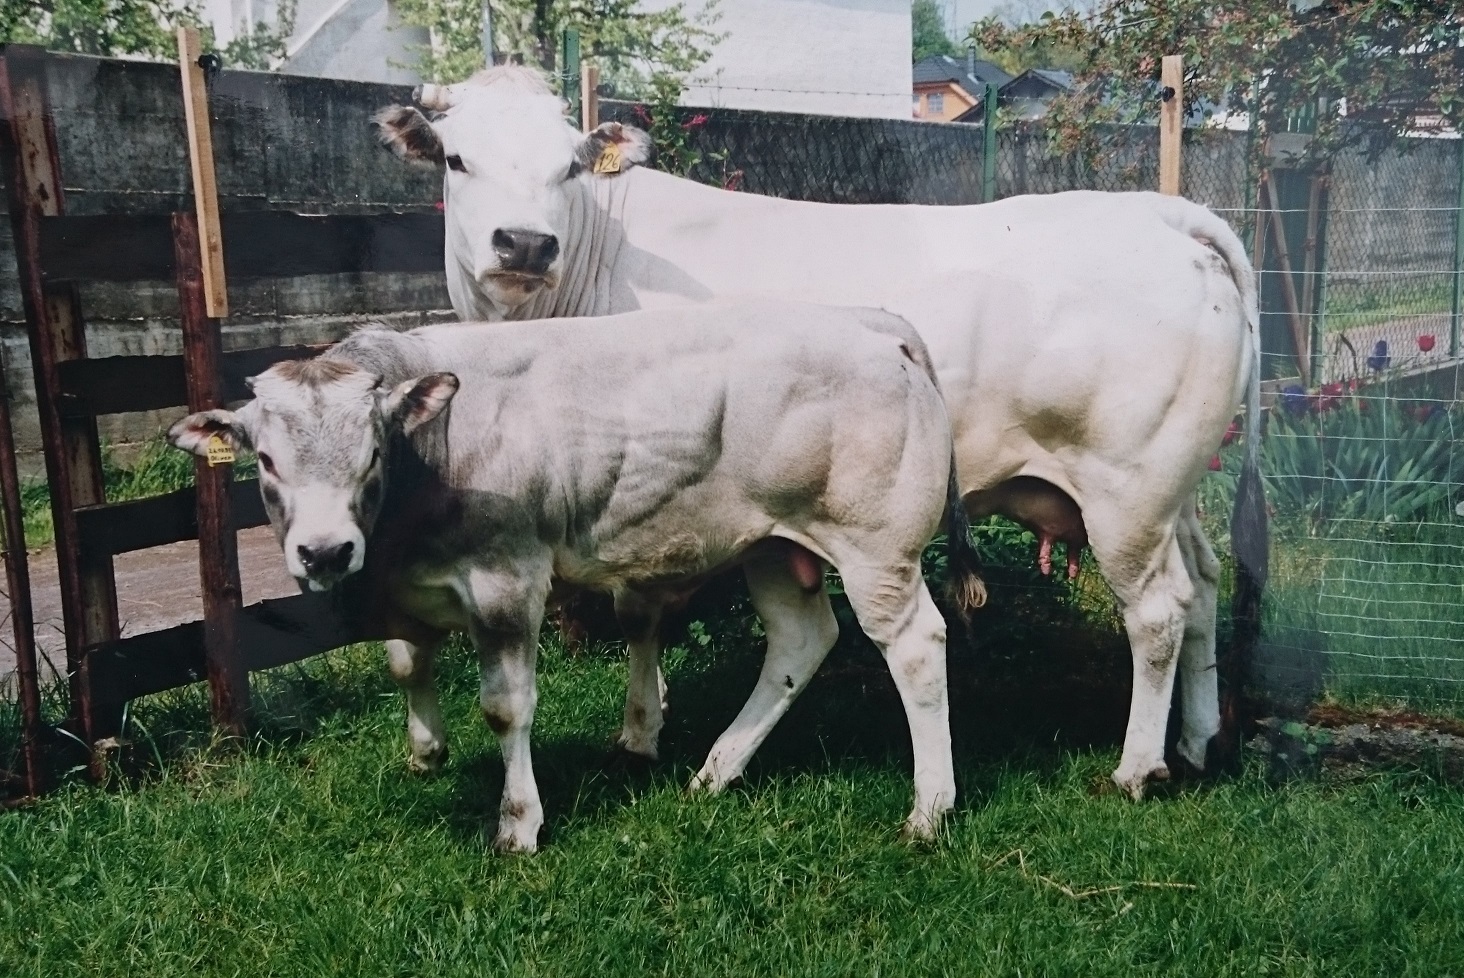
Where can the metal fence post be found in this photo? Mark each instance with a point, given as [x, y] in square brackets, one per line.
[988, 146]
[569, 70]
[1457, 307]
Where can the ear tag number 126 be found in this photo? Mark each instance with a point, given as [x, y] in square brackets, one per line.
[609, 159]
[219, 452]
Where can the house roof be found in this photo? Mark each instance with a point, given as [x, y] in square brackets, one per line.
[1050, 77]
[944, 68]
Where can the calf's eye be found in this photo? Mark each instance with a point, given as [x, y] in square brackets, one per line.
[266, 463]
[455, 162]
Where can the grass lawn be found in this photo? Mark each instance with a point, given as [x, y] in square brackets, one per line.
[313, 852]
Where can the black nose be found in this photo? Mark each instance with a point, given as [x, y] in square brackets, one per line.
[326, 560]
[525, 251]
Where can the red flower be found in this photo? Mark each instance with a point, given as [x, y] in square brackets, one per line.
[1425, 342]
[1214, 463]
[1330, 396]
[1231, 433]
[440, 206]
[642, 115]
[696, 121]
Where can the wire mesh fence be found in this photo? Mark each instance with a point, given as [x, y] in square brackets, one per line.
[1363, 446]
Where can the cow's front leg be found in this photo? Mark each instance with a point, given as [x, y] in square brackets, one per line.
[640, 618]
[506, 633]
[411, 668]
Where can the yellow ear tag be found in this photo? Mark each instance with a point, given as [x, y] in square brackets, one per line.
[609, 159]
[219, 452]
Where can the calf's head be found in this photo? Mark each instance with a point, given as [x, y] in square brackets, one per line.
[513, 165]
[322, 430]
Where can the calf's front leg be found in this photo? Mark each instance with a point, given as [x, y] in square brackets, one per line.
[411, 668]
[507, 639]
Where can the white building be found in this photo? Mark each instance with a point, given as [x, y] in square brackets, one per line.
[362, 40]
[828, 57]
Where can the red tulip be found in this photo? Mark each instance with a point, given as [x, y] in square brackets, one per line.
[1426, 342]
[1214, 463]
[1231, 433]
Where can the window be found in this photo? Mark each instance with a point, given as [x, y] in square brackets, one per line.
[935, 102]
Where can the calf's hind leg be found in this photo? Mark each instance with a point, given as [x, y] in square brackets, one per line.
[801, 628]
[897, 613]
[411, 668]
[640, 618]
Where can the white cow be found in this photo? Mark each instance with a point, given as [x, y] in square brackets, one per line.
[790, 434]
[1092, 347]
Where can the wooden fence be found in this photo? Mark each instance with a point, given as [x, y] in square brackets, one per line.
[55, 253]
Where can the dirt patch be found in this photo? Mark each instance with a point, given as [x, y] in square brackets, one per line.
[1355, 749]
[1333, 716]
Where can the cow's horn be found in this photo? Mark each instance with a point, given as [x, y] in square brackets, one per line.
[435, 97]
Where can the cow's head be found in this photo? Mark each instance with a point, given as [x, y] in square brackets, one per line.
[513, 163]
[322, 430]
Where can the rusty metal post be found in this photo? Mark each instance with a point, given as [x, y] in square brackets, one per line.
[218, 549]
[57, 334]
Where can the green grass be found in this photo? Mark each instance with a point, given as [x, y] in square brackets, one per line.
[1351, 305]
[312, 851]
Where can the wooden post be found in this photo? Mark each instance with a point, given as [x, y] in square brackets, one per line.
[22, 618]
[589, 96]
[218, 553]
[57, 334]
[1171, 123]
[569, 69]
[200, 155]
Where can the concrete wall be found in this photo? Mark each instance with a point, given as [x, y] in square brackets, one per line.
[827, 57]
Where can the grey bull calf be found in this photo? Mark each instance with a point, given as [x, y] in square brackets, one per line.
[635, 454]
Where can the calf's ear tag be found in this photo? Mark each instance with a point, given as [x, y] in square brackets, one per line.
[219, 452]
[609, 159]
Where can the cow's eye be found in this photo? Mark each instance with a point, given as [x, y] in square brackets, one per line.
[266, 463]
[455, 162]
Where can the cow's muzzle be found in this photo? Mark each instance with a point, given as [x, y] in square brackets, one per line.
[326, 565]
[525, 253]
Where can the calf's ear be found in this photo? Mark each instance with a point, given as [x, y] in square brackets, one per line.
[413, 403]
[408, 134]
[612, 148]
[195, 432]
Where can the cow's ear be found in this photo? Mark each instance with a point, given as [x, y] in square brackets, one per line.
[612, 148]
[408, 134]
[413, 403]
[197, 431]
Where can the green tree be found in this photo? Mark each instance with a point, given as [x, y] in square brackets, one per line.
[146, 28]
[1039, 53]
[1392, 64]
[927, 31]
[631, 46]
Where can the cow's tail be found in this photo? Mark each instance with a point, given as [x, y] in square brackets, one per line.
[966, 589]
[1249, 533]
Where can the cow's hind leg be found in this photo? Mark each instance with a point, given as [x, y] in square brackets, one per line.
[640, 618]
[1148, 575]
[896, 611]
[411, 668]
[801, 629]
[1198, 684]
